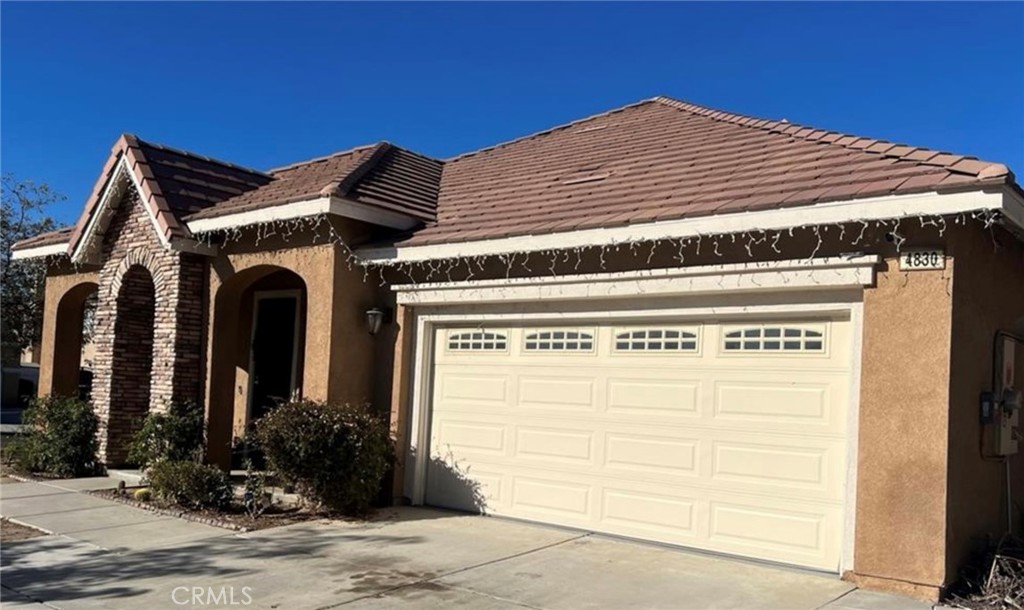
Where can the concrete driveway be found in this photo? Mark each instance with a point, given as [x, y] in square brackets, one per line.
[106, 555]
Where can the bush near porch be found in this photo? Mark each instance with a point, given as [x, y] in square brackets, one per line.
[59, 440]
[335, 455]
[176, 435]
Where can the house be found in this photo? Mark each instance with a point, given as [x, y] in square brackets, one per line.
[664, 322]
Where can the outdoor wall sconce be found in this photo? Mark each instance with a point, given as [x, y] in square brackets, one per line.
[377, 318]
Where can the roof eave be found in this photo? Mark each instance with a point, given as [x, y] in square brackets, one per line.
[1002, 198]
[333, 205]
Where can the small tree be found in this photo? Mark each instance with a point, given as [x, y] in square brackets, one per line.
[22, 215]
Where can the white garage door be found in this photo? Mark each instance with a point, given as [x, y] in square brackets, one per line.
[725, 436]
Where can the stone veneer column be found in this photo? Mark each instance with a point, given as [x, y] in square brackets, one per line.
[131, 241]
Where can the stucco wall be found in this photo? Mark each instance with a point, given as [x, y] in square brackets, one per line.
[338, 353]
[60, 349]
[901, 482]
[904, 514]
[988, 296]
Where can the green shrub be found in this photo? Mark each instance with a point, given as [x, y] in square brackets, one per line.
[255, 498]
[176, 435]
[143, 495]
[334, 455]
[59, 438]
[189, 484]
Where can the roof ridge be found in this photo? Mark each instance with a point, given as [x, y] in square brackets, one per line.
[348, 151]
[550, 130]
[187, 153]
[968, 165]
[341, 185]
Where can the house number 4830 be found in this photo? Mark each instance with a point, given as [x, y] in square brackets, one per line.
[914, 260]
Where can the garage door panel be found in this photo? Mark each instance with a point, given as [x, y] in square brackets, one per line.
[552, 496]
[648, 454]
[466, 487]
[735, 453]
[812, 404]
[633, 512]
[554, 444]
[786, 467]
[473, 388]
[556, 393]
[656, 396]
[788, 531]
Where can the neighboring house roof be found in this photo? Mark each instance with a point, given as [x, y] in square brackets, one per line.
[664, 159]
[60, 236]
[659, 159]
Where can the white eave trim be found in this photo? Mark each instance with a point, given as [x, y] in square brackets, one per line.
[877, 208]
[41, 251]
[303, 209]
[854, 271]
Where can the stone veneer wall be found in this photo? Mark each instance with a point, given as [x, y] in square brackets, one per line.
[130, 242]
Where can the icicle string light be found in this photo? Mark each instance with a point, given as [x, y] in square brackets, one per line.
[319, 229]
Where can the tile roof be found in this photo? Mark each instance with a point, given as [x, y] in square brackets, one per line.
[663, 159]
[173, 183]
[658, 159]
[52, 238]
[381, 175]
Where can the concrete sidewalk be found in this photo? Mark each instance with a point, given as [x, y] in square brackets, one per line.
[108, 555]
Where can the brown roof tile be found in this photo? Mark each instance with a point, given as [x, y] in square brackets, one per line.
[380, 175]
[653, 160]
[173, 183]
[663, 158]
[60, 236]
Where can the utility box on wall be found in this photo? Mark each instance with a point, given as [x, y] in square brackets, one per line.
[1006, 421]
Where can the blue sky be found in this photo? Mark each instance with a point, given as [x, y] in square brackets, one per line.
[265, 84]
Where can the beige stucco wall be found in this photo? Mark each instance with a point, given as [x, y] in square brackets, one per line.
[338, 355]
[901, 482]
[61, 345]
[988, 296]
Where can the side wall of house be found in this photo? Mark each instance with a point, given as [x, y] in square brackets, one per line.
[988, 296]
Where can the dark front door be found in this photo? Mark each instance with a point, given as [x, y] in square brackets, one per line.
[273, 353]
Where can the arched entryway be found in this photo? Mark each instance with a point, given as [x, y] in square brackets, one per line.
[75, 313]
[132, 360]
[258, 347]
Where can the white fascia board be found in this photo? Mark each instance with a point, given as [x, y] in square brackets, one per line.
[302, 209]
[1013, 209]
[299, 209]
[79, 253]
[855, 271]
[876, 208]
[40, 251]
[99, 217]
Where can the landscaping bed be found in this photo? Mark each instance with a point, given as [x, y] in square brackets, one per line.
[16, 532]
[992, 580]
[233, 517]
